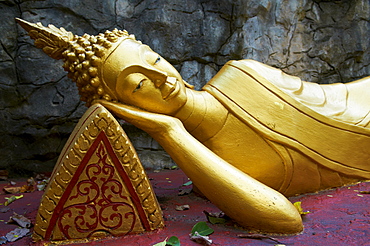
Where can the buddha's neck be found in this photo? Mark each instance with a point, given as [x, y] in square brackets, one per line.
[202, 115]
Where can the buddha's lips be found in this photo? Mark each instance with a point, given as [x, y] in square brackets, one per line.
[171, 88]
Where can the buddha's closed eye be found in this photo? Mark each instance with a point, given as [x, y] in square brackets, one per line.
[139, 85]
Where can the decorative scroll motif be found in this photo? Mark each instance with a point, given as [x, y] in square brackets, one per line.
[98, 186]
[97, 200]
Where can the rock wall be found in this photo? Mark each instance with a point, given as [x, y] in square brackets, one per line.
[317, 40]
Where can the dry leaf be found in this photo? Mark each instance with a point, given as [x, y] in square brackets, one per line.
[365, 192]
[183, 192]
[182, 207]
[16, 234]
[4, 209]
[3, 240]
[12, 190]
[204, 240]
[27, 188]
[258, 236]
[20, 220]
[31, 181]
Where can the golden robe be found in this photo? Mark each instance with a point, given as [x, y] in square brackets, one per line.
[320, 132]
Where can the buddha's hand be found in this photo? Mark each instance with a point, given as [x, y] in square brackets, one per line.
[152, 123]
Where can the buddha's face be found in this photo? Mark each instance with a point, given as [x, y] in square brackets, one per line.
[148, 81]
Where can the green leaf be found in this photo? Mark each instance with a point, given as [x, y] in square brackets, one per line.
[298, 206]
[12, 199]
[188, 183]
[161, 243]
[173, 241]
[202, 228]
[214, 220]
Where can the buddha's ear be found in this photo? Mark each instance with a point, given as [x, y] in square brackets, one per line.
[187, 85]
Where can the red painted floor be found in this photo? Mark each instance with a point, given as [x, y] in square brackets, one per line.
[338, 217]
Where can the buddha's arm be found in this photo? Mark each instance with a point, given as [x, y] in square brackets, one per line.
[249, 202]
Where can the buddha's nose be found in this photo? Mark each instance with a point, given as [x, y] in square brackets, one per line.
[171, 81]
[158, 82]
[160, 79]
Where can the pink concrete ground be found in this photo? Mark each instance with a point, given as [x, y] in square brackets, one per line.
[338, 217]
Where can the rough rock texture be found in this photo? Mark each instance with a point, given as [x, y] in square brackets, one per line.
[320, 41]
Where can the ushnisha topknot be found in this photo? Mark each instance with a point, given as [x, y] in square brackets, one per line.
[83, 56]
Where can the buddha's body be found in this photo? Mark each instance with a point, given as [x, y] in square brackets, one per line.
[275, 163]
[251, 135]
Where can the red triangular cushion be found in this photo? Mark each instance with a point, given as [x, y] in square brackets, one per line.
[98, 186]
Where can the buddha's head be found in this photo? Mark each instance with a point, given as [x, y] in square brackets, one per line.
[113, 66]
[143, 78]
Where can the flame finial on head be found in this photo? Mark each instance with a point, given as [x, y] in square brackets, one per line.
[83, 55]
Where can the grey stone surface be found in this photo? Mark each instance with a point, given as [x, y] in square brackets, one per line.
[317, 40]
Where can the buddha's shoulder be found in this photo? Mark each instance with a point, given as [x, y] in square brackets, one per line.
[249, 64]
[244, 62]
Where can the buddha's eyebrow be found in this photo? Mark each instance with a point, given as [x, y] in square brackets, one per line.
[144, 48]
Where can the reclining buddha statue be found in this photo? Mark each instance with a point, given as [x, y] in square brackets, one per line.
[251, 137]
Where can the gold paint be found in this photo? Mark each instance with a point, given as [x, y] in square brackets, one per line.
[251, 136]
[85, 209]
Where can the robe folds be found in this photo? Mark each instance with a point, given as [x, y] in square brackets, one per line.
[309, 124]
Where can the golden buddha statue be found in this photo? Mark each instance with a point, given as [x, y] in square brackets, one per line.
[252, 136]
